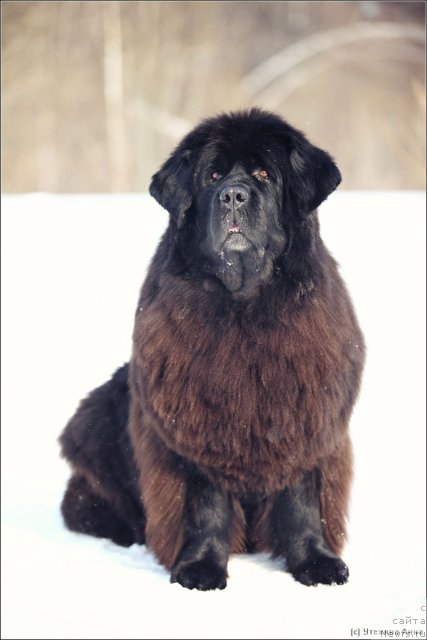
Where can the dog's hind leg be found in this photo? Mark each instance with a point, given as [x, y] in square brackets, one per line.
[86, 512]
[102, 498]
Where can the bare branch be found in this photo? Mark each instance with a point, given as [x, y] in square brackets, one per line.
[170, 125]
[268, 71]
[302, 75]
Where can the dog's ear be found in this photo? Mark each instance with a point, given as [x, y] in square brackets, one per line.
[171, 185]
[313, 175]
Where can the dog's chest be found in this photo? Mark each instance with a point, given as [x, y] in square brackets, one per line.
[246, 403]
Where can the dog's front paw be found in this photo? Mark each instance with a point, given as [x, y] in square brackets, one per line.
[203, 575]
[321, 570]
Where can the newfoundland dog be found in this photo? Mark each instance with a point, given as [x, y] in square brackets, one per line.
[228, 430]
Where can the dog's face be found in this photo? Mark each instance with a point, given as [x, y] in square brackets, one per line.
[236, 188]
[238, 197]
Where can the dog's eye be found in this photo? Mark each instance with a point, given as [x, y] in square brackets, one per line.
[261, 174]
[215, 175]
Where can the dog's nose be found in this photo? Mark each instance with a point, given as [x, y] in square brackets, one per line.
[233, 197]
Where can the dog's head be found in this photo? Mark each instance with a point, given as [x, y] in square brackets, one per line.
[236, 188]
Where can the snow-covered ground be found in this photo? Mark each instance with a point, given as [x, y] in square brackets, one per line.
[71, 271]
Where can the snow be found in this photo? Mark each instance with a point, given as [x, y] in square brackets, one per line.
[72, 269]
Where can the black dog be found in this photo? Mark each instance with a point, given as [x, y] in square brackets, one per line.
[228, 432]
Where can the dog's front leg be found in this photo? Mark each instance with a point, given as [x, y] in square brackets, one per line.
[298, 535]
[188, 520]
[202, 562]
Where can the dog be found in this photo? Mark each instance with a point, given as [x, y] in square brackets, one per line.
[228, 430]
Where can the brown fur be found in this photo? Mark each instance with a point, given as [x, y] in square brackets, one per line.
[208, 387]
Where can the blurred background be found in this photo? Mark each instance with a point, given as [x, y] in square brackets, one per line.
[96, 94]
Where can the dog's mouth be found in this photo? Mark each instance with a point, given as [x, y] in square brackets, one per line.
[235, 239]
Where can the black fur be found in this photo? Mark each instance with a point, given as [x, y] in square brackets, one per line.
[228, 431]
[96, 440]
[202, 562]
[85, 511]
[299, 537]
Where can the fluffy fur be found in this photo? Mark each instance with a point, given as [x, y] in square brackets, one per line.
[228, 431]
